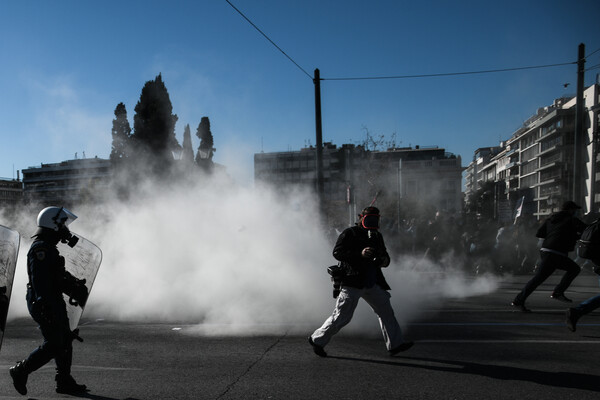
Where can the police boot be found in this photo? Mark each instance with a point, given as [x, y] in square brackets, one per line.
[66, 384]
[19, 375]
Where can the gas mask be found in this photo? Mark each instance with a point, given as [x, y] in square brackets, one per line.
[370, 221]
[67, 237]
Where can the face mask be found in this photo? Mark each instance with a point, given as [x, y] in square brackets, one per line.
[370, 221]
[67, 237]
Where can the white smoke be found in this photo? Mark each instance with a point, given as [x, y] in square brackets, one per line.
[233, 260]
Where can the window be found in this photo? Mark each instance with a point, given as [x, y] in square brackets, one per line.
[529, 154]
[557, 141]
[529, 167]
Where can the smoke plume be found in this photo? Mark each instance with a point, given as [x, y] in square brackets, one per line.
[227, 259]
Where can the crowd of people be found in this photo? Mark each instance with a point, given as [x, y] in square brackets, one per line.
[473, 243]
[524, 245]
[362, 255]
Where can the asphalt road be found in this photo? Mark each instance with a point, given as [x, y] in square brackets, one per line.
[475, 348]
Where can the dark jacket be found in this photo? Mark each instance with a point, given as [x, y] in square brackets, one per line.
[348, 250]
[47, 280]
[561, 231]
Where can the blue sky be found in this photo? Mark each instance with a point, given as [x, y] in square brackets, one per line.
[67, 64]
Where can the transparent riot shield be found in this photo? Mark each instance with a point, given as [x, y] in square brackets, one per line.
[83, 262]
[9, 250]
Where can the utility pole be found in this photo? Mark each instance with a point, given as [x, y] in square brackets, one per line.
[595, 111]
[320, 185]
[579, 141]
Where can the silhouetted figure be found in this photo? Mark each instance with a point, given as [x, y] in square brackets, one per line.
[48, 280]
[362, 253]
[560, 233]
[3, 307]
[593, 254]
[527, 250]
[505, 249]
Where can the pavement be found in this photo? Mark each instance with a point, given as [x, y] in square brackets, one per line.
[473, 348]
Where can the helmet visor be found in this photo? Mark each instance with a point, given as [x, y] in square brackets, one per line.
[64, 217]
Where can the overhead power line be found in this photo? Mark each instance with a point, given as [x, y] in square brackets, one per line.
[266, 37]
[593, 52]
[489, 71]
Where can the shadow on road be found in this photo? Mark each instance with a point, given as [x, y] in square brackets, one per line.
[570, 380]
[92, 396]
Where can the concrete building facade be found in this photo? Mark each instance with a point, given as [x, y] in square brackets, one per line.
[66, 183]
[400, 181]
[537, 163]
[11, 192]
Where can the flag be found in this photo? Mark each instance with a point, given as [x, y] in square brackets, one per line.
[519, 208]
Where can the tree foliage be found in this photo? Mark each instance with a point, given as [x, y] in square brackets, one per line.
[206, 149]
[187, 156]
[121, 132]
[154, 123]
[152, 150]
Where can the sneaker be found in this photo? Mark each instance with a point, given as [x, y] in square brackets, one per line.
[572, 317]
[66, 384]
[19, 377]
[403, 347]
[561, 297]
[316, 348]
[520, 307]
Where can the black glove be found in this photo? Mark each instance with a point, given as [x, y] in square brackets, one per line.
[76, 290]
[75, 335]
[80, 294]
[41, 312]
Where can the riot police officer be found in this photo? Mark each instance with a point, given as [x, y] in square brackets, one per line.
[48, 280]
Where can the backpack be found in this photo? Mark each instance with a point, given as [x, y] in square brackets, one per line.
[589, 242]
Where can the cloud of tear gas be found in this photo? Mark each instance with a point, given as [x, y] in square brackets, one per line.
[231, 259]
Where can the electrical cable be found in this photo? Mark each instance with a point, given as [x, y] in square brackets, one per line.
[593, 52]
[448, 73]
[402, 76]
[273, 43]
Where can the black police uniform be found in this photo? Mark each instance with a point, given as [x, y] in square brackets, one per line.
[48, 280]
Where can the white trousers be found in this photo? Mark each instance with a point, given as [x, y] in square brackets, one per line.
[377, 298]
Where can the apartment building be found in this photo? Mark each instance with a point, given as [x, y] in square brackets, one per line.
[399, 181]
[66, 183]
[11, 191]
[537, 162]
[474, 172]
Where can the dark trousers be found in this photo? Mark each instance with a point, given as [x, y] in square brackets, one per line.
[550, 262]
[57, 345]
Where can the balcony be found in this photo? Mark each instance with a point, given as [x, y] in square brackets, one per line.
[548, 166]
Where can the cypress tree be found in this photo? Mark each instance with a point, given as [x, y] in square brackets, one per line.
[121, 132]
[187, 155]
[206, 149]
[154, 124]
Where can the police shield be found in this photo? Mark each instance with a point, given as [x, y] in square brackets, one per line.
[9, 250]
[83, 262]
